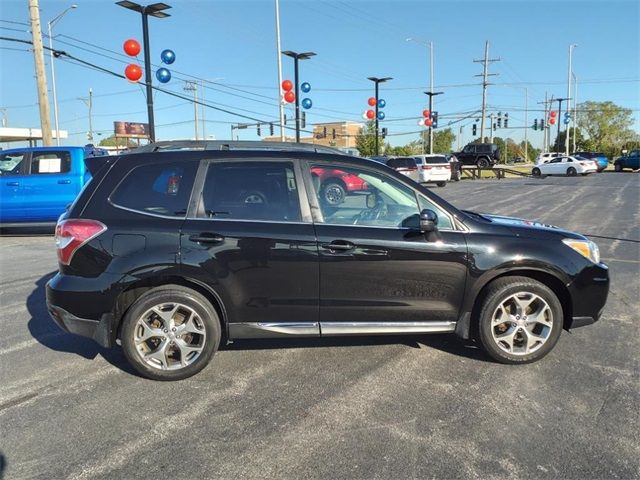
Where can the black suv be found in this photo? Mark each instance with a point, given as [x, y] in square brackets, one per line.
[483, 155]
[174, 252]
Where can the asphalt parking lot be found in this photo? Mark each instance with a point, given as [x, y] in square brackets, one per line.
[398, 407]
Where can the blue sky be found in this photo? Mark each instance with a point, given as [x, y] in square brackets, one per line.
[233, 44]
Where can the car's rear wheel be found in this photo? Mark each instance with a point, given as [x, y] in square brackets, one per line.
[617, 167]
[483, 163]
[441, 184]
[520, 320]
[536, 172]
[333, 193]
[572, 172]
[170, 333]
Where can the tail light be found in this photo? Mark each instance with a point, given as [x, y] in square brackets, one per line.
[426, 167]
[412, 169]
[71, 234]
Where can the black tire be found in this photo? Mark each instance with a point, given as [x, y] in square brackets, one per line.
[571, 172]
[483, 162]
[536, 172]
[164, 295]
[441, 184]
[500, 290]
[333, 192]
[617, 167]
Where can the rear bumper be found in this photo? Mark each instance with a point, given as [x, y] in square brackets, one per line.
[435, 176]
[100, 331]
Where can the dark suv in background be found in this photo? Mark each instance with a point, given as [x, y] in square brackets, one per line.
[174, 252]
[483, 155]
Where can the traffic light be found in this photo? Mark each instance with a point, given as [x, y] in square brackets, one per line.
[271, 129]
[494, 126]
[384, 132]
[258, 129]
[535, 124]
[434, 119]
[304, 120]
[506, 120]
[499, 120]
[474, 129]
[542, 124]
[285, 119]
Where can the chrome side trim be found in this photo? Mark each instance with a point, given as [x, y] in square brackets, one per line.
[385, 328]
[273, 329]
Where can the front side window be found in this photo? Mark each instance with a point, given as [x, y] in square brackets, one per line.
[367, 198]
[159, 189]
[11, 163]
[468, 149]
[50, 162]
[239, 190]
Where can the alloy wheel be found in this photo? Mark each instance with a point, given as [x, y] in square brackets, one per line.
[169, 336]
[522, 323]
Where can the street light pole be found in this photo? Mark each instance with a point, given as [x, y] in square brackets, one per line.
[296, 58]
[560, 100]
[431, 95]
[566, 139]
[154, 10]
[50, 25]
[280, 102]
[575, 110]
[377, 81]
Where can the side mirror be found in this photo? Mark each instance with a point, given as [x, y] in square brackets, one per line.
[428, 221]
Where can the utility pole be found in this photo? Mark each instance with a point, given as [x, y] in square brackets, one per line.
[526, 124]
[192, 86]
[41, 78]
[459, 138]
[567, 131]
[485, 73]
[377, 82]
[280, 102]
[490, 129]
[89, 103]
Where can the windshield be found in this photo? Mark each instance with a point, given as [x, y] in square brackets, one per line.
[10, 163]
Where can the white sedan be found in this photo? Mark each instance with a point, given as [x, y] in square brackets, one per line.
[570, 166]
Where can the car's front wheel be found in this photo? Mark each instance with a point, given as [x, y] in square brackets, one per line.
[520, 320]
[170, 333]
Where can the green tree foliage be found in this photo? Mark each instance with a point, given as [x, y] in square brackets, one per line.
[607, 126]
[582, 143]
[366, 140]
[112, 141]
[442, 141]
[400, 151]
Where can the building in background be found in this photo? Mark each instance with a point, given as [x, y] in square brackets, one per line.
[333, 134]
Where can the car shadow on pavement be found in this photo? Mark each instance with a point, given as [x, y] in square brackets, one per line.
[445, 343]
[47, 333]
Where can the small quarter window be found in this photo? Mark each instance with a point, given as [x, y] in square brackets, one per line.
[160, 189]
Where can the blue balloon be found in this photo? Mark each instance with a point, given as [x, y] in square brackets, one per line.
[381, 103]
[306, 103]
[380, 115]
[163, 75]
[167, 56]
[305, 87]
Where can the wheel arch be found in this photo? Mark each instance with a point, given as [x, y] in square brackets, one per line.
[133, 291]
[469, 328]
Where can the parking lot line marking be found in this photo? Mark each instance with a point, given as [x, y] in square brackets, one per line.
[29, 343]
[620, 260]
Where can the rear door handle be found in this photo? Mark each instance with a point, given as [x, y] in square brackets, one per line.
[64, 182]
[13, 184]
[207, 238]
[338, 245]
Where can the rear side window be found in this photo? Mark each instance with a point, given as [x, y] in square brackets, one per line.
[50, 162]
[251, 191]
[160, 189]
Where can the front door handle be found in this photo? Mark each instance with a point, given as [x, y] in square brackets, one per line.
[338, 245]
[13, 184]
[64, 182]
[207, 238]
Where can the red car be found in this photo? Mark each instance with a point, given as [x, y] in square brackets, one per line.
[334, 185]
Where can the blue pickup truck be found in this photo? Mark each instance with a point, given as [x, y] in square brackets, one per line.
[36, 184]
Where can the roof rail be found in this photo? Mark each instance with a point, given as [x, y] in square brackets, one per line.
[172, 145]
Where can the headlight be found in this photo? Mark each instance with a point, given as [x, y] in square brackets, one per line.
[586, 248]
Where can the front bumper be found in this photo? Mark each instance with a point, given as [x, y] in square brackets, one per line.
[589, 292]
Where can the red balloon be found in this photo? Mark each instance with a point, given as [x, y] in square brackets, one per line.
[552, 113]
[287, 86]
[371, 113]
[372, 101]
[133, 72]
[428, 122]
[552, 121]
[290, 96]
[426, 113]
[131, 47]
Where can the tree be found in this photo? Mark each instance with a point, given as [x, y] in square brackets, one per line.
[113, 141]
[607, 125]
[400, 151]
[581, 142]
[366, 140]
[442, 140]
